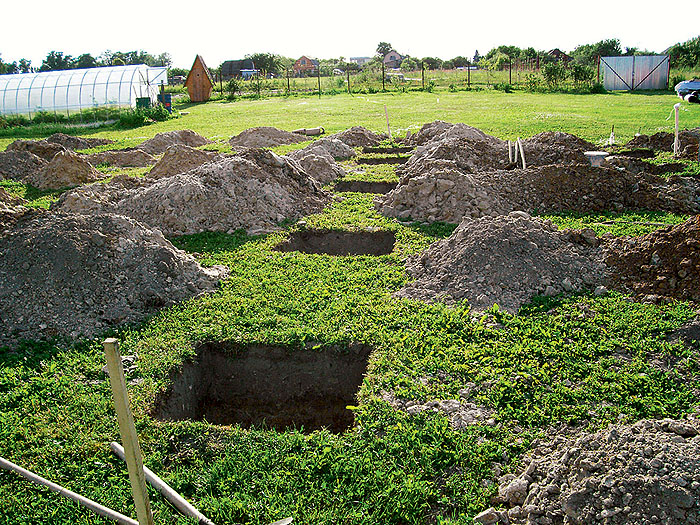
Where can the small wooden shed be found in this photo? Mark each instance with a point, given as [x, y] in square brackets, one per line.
[199, 82]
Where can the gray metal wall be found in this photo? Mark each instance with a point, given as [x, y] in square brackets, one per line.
[635, 72]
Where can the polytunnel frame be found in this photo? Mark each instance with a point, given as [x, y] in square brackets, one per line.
[116, 78]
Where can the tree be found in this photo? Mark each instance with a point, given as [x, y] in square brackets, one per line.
[409, 64]
[587, 54]
[56, 61]
[384, 48]
[460, 61]
[432, 62]
[686, 55]
[267, 63]
[85, 61]
[25, 66]
[477, 57]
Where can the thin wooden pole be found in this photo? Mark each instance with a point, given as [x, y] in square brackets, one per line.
[166, 490]
[127, 430]
[388, 128]
[348, 73]
[95, 507]
[469, 80]
[510, 71]
[318, 74]
[289, 91]
[422, 75]
[383, 68]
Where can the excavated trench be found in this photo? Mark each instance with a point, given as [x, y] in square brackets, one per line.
[267, 387]
[361, 186]
[339, 242]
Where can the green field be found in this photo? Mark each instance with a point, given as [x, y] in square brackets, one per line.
[575, 359]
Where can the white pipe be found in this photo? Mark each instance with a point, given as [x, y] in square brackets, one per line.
[88, 503]
[166, 490]
[676, 142]
[522, 153]
[510, 153]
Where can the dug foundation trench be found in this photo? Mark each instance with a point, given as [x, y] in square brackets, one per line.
[361, 186]
[331, 242]
[267, 387]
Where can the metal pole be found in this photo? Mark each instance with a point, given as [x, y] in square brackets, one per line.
[127, 430]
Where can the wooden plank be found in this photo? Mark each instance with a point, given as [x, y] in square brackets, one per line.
[132, 450]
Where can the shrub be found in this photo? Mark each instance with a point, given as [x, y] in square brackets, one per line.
[581, 74]
[597, 89]
[554, 74]
[503, 86]
[133, 118]
[533, 82]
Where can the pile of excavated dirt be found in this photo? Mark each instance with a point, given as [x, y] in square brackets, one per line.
[123, 158]
[41, 148]
[357, 136]
[73, 143]
[163, 141]
[69, 275]
[663, 141]
[661, 264]
[505, 260]
[644, 473]
[65, 169]
[19, 165]
[254, 192]
[444, 193]
[319, 159]
[439, 131]
[265, 137]
[472, 151]
[180, 159]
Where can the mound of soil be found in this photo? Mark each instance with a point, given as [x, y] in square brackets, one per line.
[439, 131]
[163, 141]
[322, 167]
[556, 147]
[664, 263]
[505, 260]
[254, 193]
[442, 192]
[19, 165]
[69, 275]
[663, 141]
[65, 169]
[73, 143]
[648, 472]
[335, 148]
[357, 136]
[41, 148]
[265, 137]
[123, 158]
[180, 159]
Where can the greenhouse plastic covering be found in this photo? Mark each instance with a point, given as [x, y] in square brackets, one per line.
[79, 89]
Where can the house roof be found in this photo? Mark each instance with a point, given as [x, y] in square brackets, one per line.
[199, 62]
[312, 60]
[232, 67]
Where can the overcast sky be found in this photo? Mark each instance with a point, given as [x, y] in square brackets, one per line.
[328, 29]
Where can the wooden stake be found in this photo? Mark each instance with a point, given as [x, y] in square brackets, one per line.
[166, 490]
[127, 429]
[85, 502]
[388, 128]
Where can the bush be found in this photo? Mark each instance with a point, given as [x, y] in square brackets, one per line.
[533, 83]
[554, 74]
[598, 89]
[503, 86]
[675, 79]
[581, 75]
[133, 118]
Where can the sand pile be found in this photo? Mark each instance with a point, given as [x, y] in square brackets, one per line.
[648, 472]
[73, 143]
[19, 165]
[41, 148]
[254, 193]
[265, 137]
[357, 136]
[65, 169]
[123, 158]
[443, 192]
[664, 263]
[505, 260]
[163, 141]
[66, 275]
[180, 159]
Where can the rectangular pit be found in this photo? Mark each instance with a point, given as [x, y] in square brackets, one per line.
[361, 186]
[331, 242]
[267, 387]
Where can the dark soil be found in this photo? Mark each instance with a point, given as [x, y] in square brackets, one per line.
[267, 386]
[384, 160]
[361, 186]
[387, 151]
[339, 242]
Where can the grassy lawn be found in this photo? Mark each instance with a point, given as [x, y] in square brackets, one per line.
[576, 359]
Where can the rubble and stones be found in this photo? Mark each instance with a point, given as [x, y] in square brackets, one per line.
[8, 199]
[19, 165]
[163, 141]
[357, 136]
[647, 472]
[69, 275]
[265, 137]
[65, 169]
[254, 192]
[506, 260]
[663, 141]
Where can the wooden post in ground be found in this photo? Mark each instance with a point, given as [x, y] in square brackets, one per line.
[289, 91]
[348, 73]
[469, 80]
[422, 75]
[510, 71]
[383, 75]
[127, 430]
[318, 75]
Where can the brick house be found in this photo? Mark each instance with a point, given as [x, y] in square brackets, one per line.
[305, 66]
[392, 59]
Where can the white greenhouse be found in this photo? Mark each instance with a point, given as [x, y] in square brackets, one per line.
[75, 90]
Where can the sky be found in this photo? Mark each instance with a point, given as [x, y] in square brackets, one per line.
[222, 31]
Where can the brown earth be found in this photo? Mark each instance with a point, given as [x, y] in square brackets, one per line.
[73, 143]
[65, 169]
[265, 137]
[19, 165]
[163, 141]
[41, 148]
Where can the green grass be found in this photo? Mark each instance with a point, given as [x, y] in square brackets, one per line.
[577, 358]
